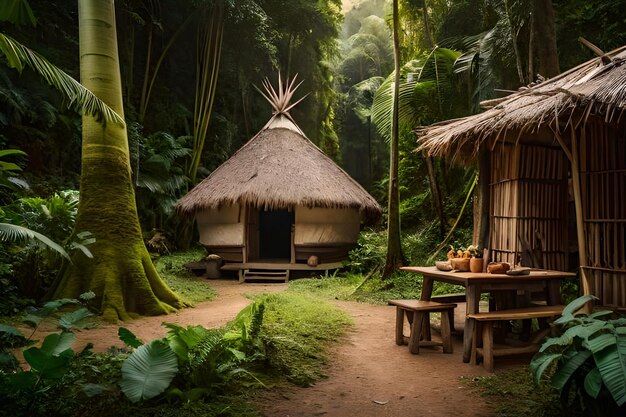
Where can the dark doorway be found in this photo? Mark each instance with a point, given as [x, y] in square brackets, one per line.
[275, 234]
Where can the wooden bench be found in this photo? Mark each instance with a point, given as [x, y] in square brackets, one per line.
[486, 321]
[417, 313]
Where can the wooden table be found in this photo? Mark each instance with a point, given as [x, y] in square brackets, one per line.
[477, 283]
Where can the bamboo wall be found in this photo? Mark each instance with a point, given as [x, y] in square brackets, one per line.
[603, 189]
[529, 205]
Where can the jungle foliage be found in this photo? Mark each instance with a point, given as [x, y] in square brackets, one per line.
[278, 339]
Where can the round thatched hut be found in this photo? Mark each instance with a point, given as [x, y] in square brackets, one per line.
[279, 200]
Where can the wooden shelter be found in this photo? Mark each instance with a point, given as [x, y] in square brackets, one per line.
[278, 201]
[561, 140]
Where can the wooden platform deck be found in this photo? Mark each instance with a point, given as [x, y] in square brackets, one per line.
[263, 271]
[285, 266]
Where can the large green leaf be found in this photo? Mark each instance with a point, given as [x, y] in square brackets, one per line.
[48, 366]
[129, 338]
[191, 335]
[593, 383]
[148, 371]
[540, 363]
[18, 56]
[577, 304]
[567, 338]
[183, 339]
[52, 360]
[56, 343]
[571, 364]
[611, 362]
[71, 320]
[10, 330]
[15, 233]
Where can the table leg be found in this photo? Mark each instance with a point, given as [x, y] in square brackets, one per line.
[472, 298]
[427, 288]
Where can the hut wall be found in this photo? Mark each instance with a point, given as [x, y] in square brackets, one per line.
[326, 233]
[528, 206]
[603, 190]
[222, 232]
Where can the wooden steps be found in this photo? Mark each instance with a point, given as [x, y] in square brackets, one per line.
[263, 275]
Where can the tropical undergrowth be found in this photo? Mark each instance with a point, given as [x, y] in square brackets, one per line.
[279, 338]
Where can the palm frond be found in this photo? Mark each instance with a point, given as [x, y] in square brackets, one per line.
[420, 99]
[19, 56]
[17, 11]
[14, 233]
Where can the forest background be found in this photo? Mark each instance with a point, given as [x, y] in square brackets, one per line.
[454, 54]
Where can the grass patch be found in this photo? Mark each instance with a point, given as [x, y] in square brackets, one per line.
[513, 394]
[400, 285]
[298, 330]
[190, 288]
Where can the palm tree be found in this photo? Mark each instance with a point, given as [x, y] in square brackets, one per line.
[122, 275]
[394, 246]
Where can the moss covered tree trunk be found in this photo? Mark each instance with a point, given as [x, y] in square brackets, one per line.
[121, 274]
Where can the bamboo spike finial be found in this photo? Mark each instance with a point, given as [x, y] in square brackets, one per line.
[280, 100]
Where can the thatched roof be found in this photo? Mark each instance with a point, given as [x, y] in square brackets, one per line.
[597, 88]
[280, 168]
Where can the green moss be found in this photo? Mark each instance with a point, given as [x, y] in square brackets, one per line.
[121, 273]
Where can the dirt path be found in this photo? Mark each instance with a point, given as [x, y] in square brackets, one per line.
[369, 376]
[372, 377]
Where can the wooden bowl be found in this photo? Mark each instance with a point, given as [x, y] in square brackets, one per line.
[460, 264]
[443, 265]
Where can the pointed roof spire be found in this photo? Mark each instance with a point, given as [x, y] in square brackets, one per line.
[280, 101]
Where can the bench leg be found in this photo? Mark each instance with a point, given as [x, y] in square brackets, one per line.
[446, 335]
[416, 332]
[399, 326]
[451, 319]
[426, 327]
[474, 352]
[488, 346]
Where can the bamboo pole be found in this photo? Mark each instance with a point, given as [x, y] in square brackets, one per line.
[578, 204]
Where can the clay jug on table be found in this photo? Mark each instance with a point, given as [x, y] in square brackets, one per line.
[476, 264]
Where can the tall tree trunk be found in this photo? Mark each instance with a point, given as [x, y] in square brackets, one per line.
[545, 38]
[435, 190]
[428, 37]
[394, 245]
[121, 274]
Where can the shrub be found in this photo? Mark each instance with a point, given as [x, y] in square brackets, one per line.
[587, 362]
